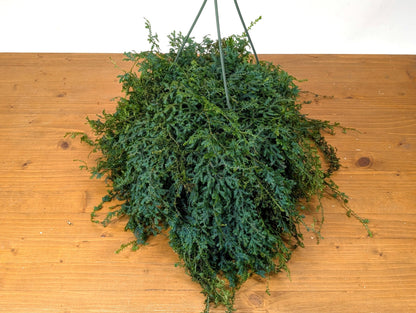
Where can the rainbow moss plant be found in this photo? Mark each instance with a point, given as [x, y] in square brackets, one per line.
[230, 182]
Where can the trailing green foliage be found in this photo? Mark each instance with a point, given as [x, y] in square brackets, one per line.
[230, 185]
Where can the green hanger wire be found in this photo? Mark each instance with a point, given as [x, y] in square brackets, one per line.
[217, 19]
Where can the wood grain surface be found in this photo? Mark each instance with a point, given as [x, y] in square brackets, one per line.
[53, 259]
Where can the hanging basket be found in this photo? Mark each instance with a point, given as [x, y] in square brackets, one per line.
[210, 144]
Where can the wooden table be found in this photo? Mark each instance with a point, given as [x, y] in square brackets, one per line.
[53, 259]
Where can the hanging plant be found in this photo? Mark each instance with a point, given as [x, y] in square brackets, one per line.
[229, 180]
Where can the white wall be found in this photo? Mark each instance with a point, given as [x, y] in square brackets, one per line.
[291, 26]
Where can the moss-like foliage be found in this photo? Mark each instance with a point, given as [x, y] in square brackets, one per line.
[230, 184]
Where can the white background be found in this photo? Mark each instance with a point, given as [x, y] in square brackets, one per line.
[290, 26]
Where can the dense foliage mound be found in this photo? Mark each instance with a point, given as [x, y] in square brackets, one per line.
[229, 182]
